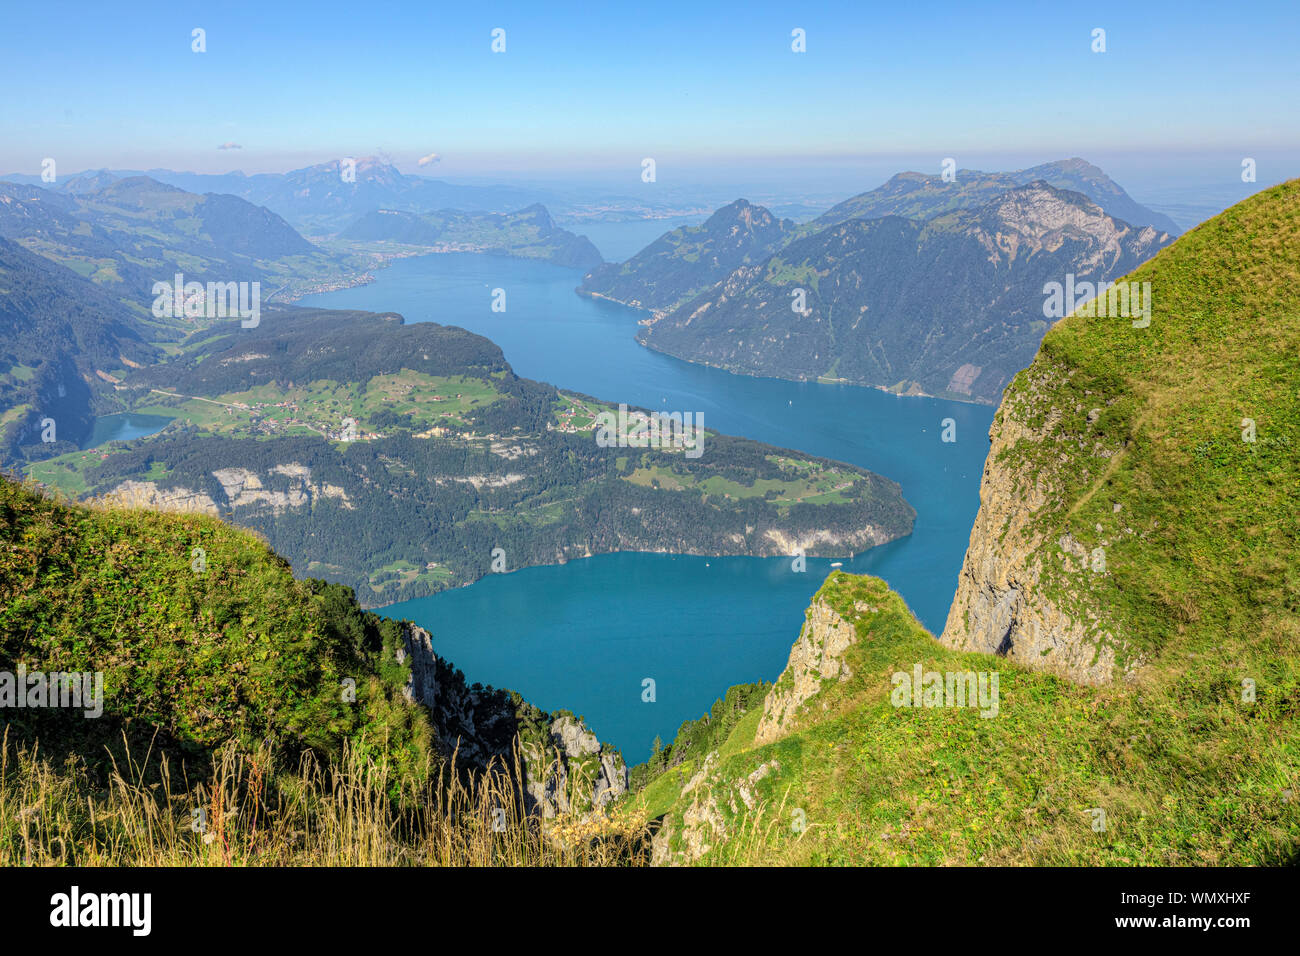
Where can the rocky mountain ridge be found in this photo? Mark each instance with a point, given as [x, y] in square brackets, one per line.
[950, 307]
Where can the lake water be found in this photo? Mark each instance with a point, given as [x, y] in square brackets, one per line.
[618, 241]
[584, 635]
[123, 427]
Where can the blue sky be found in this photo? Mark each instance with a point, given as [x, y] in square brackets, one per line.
[706, 84]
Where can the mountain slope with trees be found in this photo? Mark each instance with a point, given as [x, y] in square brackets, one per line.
[952, 306]
[403, 459]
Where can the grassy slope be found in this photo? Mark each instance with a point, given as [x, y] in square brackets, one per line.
[240, 651]
[223, 692]
[1186, 770]
[1211, 567]
[1195, 778]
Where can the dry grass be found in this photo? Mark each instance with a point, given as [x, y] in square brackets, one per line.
[249, 813]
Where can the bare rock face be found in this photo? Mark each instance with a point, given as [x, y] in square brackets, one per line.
[1001, 606]
[284, 487]
[146, 494]
[817, 657]
[821, 542]
[566, 768]
[1037, 217]
[573, 772]
[477, 726]
[246, 489]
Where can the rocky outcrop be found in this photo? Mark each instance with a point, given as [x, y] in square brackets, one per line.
[817, 657]
[146, 494]
[566, 768]
[570, 770]
[246, 489]
[1037, 218]
[477, 726]
[821, 541]
[1002, 605]
[240, 488]
[715, 800]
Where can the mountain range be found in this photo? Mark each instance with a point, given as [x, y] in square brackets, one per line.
[112, 239]
[1116, 683]
[325, 198]
[920, 196]
[920, 286]
[952, 306]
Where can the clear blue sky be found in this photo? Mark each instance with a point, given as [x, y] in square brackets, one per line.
[116, 85]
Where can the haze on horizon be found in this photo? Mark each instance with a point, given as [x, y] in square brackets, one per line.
[1180, 87]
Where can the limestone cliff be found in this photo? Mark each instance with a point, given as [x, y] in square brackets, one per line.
[817, 656]
[566, 768]
[1002, 605]
[282, 488]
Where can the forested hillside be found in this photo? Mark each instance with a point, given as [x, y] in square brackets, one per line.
[401, 460]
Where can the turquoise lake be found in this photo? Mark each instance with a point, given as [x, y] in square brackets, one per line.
[584, 635]
[124, 427]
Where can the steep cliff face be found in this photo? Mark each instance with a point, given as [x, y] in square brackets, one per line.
[281, 488]
[1131, 496]
[566, 769]
[817, 656]
[1001, 605]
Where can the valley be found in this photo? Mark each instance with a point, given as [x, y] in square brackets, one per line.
[397, 461]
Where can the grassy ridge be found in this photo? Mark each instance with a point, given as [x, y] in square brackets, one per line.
[1174, 447]
[1199, 524]
[1195, 777]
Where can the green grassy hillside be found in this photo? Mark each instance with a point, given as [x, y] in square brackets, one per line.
[246, 717]
[1184, 776]
[1131, 439]
[201, 632]
[1187, 472]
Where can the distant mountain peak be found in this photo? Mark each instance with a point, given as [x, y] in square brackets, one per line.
[1038, 208]
[921, 196]
[138, 184]
[368, 169]
[741, 211]
[92, 180]
[539, 213]
[1074, 165]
